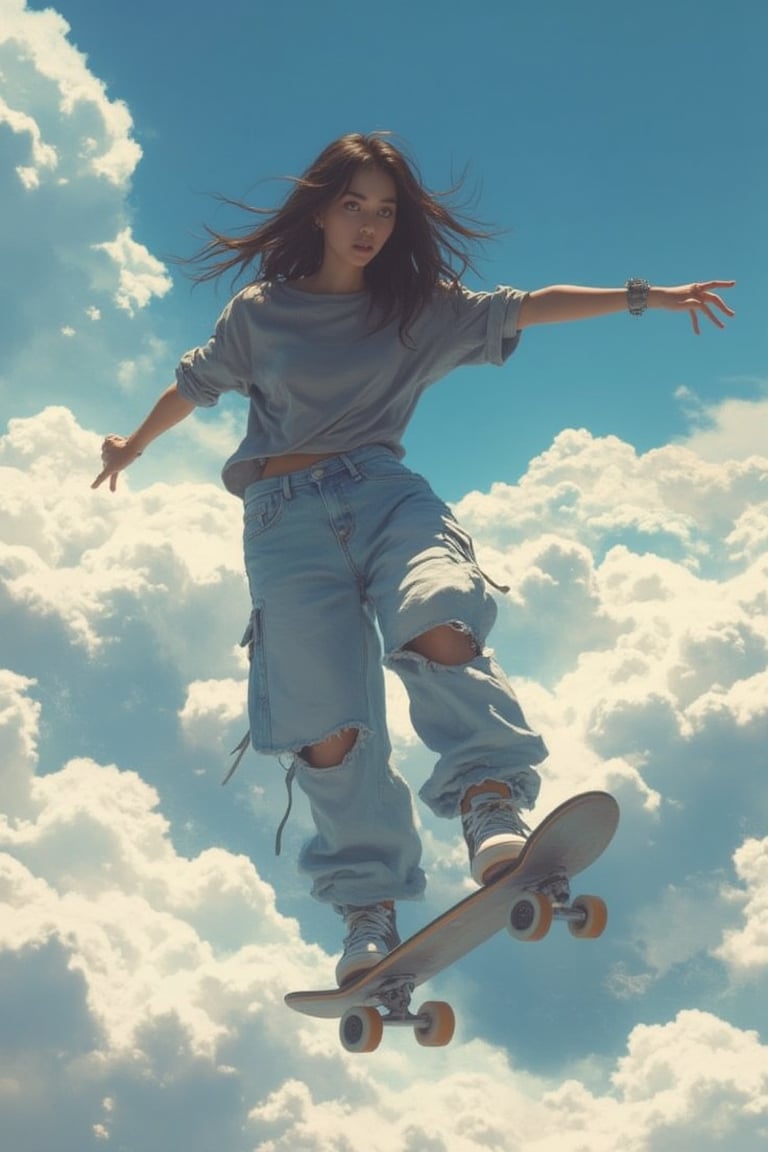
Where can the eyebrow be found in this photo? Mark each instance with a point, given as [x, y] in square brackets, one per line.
[359, 196]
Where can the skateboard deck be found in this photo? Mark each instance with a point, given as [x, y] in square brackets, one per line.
[524, 899]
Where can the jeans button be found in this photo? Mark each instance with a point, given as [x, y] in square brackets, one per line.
[317, 473]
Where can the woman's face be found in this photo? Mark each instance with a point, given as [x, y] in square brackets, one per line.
[358, 224]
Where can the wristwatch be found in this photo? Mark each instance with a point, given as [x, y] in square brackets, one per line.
[637, 296]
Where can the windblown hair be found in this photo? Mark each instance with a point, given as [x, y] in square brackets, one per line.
[429, 243]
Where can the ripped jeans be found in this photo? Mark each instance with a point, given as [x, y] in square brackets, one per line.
[356, 548]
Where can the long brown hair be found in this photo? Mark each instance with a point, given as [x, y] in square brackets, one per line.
[428, 244]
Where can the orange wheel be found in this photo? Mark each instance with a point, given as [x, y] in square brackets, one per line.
[361, 1030]
[530, 917]
[596, 917]
[440, 1026]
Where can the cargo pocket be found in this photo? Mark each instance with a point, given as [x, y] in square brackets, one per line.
[249, 641]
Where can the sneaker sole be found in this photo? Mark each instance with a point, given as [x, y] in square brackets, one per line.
[361, 965]
[495, 859]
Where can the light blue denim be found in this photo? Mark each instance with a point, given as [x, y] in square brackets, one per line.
[341, 554]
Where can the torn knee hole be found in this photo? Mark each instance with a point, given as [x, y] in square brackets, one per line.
[449, 644]
[329, 753]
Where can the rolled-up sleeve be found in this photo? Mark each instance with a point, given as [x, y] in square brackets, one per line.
[483, 325]
[221, 365]
[503, 342]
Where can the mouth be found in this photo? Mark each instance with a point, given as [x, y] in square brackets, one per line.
[365, 248]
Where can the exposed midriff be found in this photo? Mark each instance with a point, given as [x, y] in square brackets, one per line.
[292, 462]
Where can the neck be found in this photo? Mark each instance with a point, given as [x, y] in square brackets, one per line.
[334, 281]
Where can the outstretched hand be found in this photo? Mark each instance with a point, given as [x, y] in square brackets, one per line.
[116, 454]
[695, 299]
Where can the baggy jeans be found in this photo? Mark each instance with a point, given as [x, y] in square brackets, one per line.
[355, 549]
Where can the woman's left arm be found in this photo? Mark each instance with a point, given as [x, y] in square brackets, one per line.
[563, 302]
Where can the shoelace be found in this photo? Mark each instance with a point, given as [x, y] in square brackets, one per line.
[373, 921]
[492, 817]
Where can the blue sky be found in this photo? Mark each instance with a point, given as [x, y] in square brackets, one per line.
[613, 474]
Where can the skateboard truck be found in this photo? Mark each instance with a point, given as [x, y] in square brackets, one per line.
[555, 885]
[395, 995]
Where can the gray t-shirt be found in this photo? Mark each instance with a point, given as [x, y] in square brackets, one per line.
[321, 377]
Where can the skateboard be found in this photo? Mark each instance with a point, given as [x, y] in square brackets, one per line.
[525, 899]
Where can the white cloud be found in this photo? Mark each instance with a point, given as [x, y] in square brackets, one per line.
[211, 707]
[669, 623]
[745, 950]
[696, 1078]
[141, 275]
[694, 1082]
[668, 500]
[42, 155]
[70, 552]
[42, 40]
[638, 615]
[67, 156]
[749, 537]
[730, 429]
[19, 719]
[168, 966]
[167, 973]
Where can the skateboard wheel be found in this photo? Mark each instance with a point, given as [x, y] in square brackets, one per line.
[361, 1030]
[530, 917]
[439, 1027]
[596, 917]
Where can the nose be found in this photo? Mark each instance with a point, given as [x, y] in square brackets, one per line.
[366, 229]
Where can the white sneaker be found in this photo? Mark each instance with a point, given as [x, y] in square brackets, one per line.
[494, 832]
[372, 935]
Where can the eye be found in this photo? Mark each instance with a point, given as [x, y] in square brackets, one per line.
[387, 213]
[351, 205]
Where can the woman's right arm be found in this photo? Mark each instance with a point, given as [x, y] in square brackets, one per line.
[117, 452]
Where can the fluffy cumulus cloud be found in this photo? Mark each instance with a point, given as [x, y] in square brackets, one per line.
[77, 565]
[117, 1003]
[637, 604]
[144, 949]
[688, 1084]
[40, 40]
[638, 608]
[746, 949]
[734, 427]
[67, 155]
[141, 275]
[142, 1003]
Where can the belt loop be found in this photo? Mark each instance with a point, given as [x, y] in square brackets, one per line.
[350, 467]
[286, 486]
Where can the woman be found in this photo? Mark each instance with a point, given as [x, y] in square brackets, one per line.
[356, 306]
